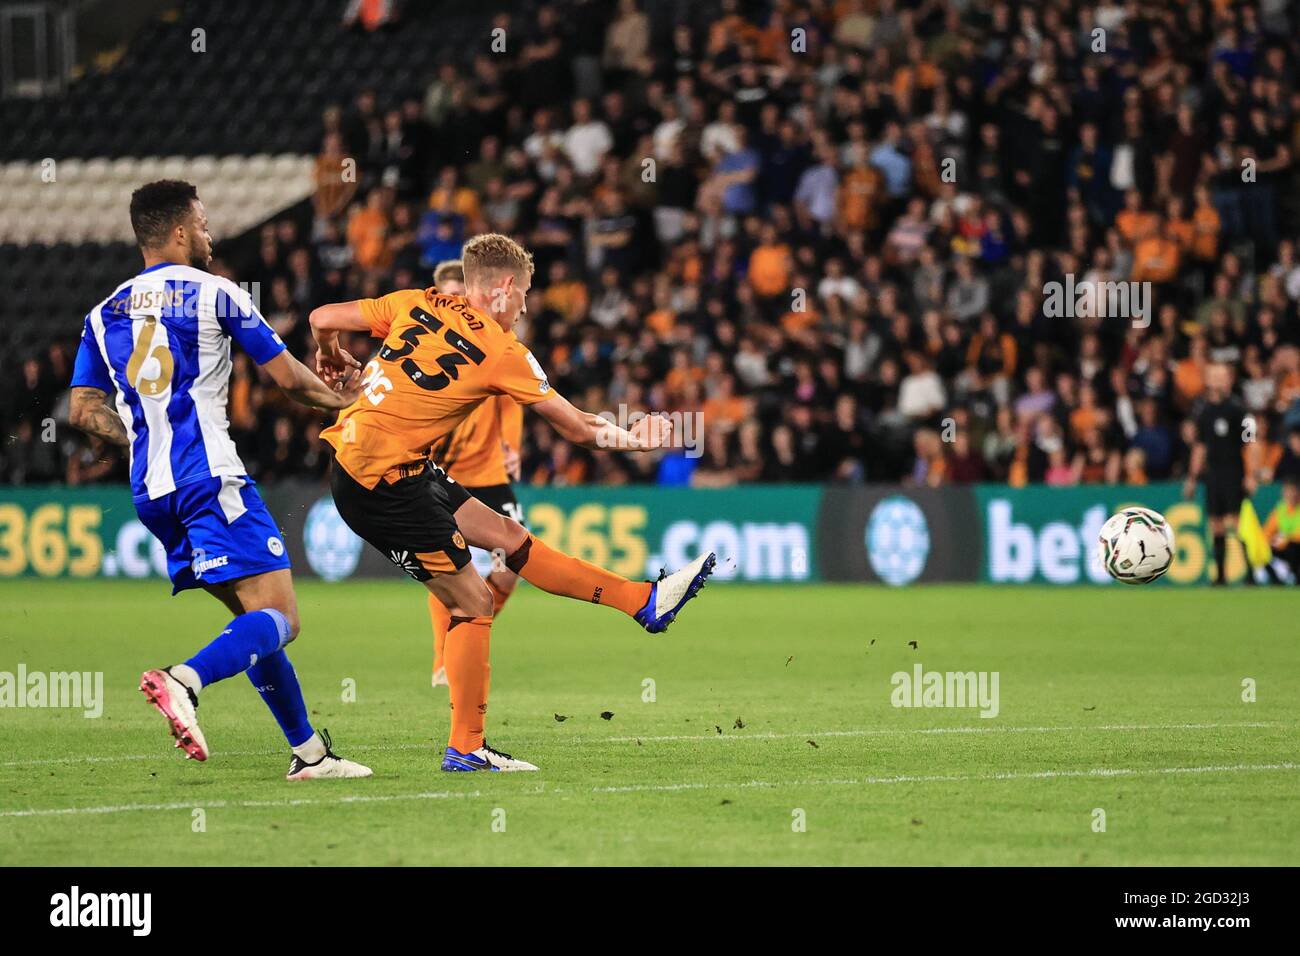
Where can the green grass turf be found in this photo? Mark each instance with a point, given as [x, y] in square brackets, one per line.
[1144, 681]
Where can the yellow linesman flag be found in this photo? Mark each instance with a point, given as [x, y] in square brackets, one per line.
[1252, 536]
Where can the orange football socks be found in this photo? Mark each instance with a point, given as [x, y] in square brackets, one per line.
[468, 672]
[559, 573]
[440, 618]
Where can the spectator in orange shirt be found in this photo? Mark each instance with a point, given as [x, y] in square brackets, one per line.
[681, 376]
[451, 197]
[1134, 222]
[1205, 218]
[1189, 373]
[565, 295]
[1155, 259]
[731, 27]
[1135, 467]
[925, 162]
[336, 182]
[1087, 417]
[1261, 456]
[662, 319]
[861, 192]
[368, 233]
[772, 42]
[799, 325]
[769, 265]
[918, 73]
[724, 408]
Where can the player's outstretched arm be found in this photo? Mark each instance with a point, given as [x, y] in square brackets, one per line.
[301, 384]
[592, 431]
[89, 410]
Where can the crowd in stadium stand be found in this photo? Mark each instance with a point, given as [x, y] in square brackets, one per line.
[831, 228]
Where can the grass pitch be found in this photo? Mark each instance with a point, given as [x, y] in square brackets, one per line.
[758, 730]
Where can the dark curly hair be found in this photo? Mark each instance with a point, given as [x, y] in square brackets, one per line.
[158, 207]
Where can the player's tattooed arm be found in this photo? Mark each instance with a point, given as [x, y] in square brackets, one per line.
[301, 384]
[89, 411]
[591, 431]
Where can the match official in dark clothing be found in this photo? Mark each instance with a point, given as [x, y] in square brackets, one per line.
[1221, 428]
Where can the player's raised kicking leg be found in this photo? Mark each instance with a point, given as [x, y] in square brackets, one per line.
[652, 604]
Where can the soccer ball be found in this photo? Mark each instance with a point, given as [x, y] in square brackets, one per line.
[1136, 545]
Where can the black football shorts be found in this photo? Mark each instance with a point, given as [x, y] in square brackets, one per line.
[410, 521]
[1223, 494]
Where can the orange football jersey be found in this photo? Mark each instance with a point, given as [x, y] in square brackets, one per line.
[440, 360]
[473, 452]
[512, 424]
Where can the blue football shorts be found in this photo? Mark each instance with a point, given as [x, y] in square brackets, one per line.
[214, 531]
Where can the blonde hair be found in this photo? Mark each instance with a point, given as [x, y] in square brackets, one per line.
[485, 257]
[453, 270]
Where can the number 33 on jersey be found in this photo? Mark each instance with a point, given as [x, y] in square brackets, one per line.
[440, 359]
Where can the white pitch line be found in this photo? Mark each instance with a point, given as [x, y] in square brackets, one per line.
[733, 737]
[907, 731]
[1096, 772]
[242, 804]
[957, 778]
[164, 751]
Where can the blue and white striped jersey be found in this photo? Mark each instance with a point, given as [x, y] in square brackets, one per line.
[161, 344]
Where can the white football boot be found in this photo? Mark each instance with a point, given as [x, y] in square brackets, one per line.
[672, 591]
[485, 758]
[329, 767]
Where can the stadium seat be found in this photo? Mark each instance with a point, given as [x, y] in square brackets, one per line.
[97, 169]
[98, 126]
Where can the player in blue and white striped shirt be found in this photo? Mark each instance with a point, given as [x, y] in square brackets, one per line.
[160, 347]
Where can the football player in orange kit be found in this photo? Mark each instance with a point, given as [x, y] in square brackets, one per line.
[482, 453]
[442, 356]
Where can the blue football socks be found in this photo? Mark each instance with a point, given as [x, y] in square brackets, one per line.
[246, 640]
[275, 680]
